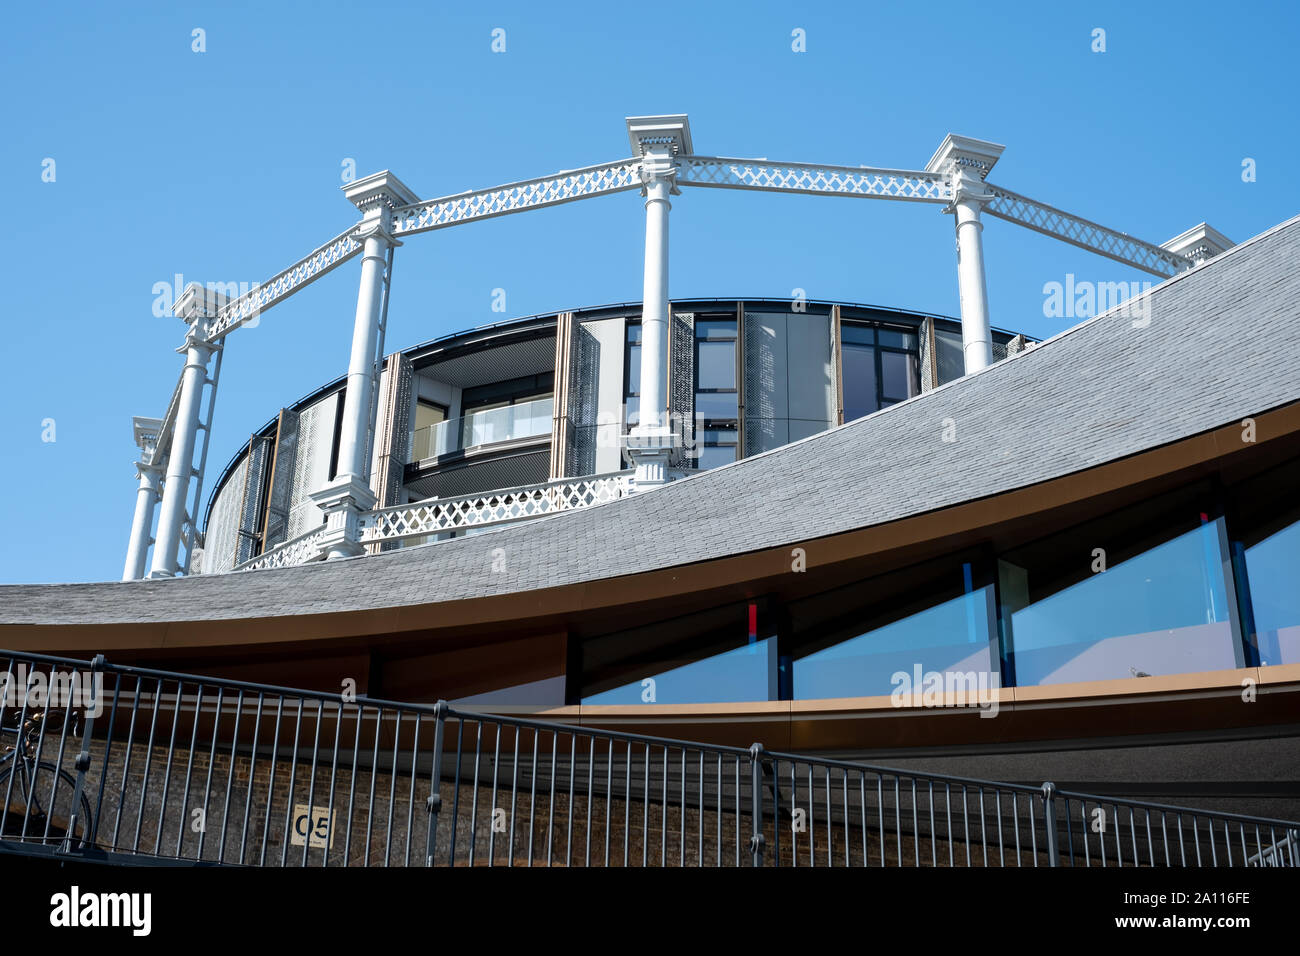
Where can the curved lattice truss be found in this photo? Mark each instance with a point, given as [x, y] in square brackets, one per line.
[663, 156]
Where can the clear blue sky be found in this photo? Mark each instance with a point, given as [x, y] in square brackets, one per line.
[225, 166]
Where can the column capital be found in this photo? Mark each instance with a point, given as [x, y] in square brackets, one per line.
[659, 142]
[379, 193]
[965, 162]
[1199, 243]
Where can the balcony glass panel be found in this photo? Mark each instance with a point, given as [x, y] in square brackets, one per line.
[950, 638]
[744, 673]
[1164, 610]
[484, 426]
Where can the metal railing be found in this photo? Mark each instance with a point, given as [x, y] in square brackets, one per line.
[122, 763]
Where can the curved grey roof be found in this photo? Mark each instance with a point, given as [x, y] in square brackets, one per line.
[1219, 346]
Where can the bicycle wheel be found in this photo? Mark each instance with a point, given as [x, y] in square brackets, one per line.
[40, 805]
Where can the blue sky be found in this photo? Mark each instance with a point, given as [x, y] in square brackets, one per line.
[225, 165]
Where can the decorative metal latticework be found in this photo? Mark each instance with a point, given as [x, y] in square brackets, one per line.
[903, 184]
[765, 425]
[516, 197]
[681, 386]
[284, 284]
[278, 499]
[252, 505]
[222, 533]
[497, 507]
[925, 354]
[582, 404]
[1086, 235]
[311, 464]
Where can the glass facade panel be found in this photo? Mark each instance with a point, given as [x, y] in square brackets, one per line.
[709, 405]
[717, 368]
[1273, 566]
[711, 456]
[1072, 613]
[860, 392]
[742, 674]
[898, 376]
[951, 638]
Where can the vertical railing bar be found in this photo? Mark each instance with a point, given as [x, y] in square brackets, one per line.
[58, 768]
[374, 774]
[392, 783]
[681, 859]
[293, 782]
[627, 806]
[20, 766]
[108, 756]
[252, 765]
[212, 759]
[550, 819]
[410, 796]
[455, 795]
[270, 783]
[189, 770]
[473, 818]
[148, 762]
[334, 769]
[532, 800]
[514, 799]
[1015, 822]
[916, 830]
[352, 787]
[591, 776]
[609, 796]
[573, 764]
[167, 777]
[492, 828]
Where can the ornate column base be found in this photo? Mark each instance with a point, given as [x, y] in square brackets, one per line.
[343, 501]
[650, 451]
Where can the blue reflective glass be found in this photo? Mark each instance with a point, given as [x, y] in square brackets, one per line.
[949, 638]
[1164, 611]
[742, 674]
[1273, 568]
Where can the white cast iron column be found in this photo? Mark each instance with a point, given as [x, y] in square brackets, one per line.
[659, 141]
[966, 162]
[180, 458]
[146, 496]
[349, 495]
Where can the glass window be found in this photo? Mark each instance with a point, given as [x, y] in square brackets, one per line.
[715, 329]
[898, 377]
[712, 405]
[880, 367]
[632, 375]
[1265, 523]
[744, 673]
[717, 368]
[1131, 595]
[860, 392]
[911, 634]
[711, 456]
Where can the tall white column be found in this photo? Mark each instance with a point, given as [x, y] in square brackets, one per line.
[654, 309]
[659, 141]
[349, 495]
[965, 162]
[146, 497]
[976, 337]
[180, 458]
[358, 400]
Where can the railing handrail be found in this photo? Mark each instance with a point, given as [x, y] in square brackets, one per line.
[455, 426]
[442, 710]
[494, 493]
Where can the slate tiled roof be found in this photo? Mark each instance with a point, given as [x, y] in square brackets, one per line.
[1221, 344]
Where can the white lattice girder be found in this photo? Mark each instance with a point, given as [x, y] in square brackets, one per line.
[284, 284]
[903, 184]
[1084, 234]
[163, 446]
[498, 507]
[561, 187]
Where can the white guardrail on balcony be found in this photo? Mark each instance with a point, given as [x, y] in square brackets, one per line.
[441, 515]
